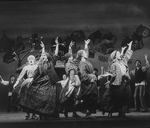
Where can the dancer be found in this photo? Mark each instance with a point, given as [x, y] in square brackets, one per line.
[23, 83]
[89, 92]
[70, 91]
[63, 82]
[10, 84]
[41, 96]
[118, 83]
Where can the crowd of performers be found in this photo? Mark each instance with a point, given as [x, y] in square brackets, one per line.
[39, 92]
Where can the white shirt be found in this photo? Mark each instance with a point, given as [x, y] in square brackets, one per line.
[141, 83]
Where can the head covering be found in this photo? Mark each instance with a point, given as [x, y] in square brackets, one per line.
[49, 57]
[113, 55]
[80, 53]
[31, 57]
[69, 67]
[67, 56]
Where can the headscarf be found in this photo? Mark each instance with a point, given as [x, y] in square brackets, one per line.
[44, 65]
[67, 56]
[79, 54]
[111, 59]
[31, 57]
[69, 67]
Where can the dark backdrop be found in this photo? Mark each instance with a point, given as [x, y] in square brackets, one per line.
[61, 17]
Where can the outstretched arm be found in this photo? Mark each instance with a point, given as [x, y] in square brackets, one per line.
[3, 81]
[43, 50]
[86, 48]
[57, 47]
[128, 53]
[43, 46]
[70, 47]
[146, 61]
[122, 50]
[130, 45]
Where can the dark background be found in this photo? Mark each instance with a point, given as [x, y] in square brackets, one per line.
[61, 17]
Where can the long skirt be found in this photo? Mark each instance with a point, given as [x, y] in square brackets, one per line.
[115, 98]
[88, 97]
[40, 97]
[67, 102]
[104, 100]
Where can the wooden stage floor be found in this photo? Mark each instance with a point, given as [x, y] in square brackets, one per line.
[132, 120]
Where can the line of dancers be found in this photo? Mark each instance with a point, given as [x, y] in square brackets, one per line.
[40, 92]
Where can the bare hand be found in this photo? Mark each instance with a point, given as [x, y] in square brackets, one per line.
[87, 41]
[123, 48]
[130, 43]
[56, 41]
[100, 77]
[71, 44]
[42, 44]
[15, 85]
[145, 56]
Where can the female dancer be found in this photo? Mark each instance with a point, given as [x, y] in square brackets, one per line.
[118, 90]
[41, 91]
[89, 92]
[70, 91]
[24, 80]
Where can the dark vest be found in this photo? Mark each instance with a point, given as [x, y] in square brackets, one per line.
[10, 87]
[139, 75]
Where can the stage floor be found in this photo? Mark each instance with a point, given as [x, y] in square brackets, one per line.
[132, 120]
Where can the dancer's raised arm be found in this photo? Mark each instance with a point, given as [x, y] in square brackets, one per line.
[128, 53]
[122, 50]
[146, 61]
[70, 47]
[57, 47]
[86, 48]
